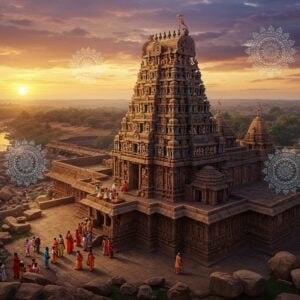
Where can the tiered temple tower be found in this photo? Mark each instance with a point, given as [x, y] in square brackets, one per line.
[169, 128]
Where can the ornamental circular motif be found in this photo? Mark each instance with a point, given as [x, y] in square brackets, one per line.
[282, 171]
[25, 163]
[85, 65]
[270, 51]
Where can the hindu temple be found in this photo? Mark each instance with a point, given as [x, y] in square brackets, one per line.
[192, 185]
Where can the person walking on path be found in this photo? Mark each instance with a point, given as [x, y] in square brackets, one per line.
[37, 242]
[33, 244]
[78, 238]
[27, 248]
[70, 242]
[91, 260]
[61, 246]
[178, 264]
[79, 259]
[53, 255]
[16, 266]
[3, 276]
[46, 258]
[110, 249]
[55, 245]
[105, 246]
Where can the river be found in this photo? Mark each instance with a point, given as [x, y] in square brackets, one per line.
[4, 142]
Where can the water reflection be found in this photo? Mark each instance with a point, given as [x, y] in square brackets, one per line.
[4, 142]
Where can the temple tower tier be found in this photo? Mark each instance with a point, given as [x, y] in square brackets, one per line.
[168, 126]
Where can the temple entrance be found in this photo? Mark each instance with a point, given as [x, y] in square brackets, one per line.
[100, 219]
[198, 195]
[133, 176]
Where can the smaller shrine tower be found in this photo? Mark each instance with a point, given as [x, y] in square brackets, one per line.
[257, 136]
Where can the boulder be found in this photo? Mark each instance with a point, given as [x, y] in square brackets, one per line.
[286, 296]
[155, 281]
[15, 226]
[29, 291]
[32, 214]
[8, 289]
[254, 284]
[118, 280]
[179, 291]
[35, 278]
[282, 263]
[295, 274]
[145, 292]
[5, 227]
[128, 289]
[5, 237]
[53, 292]
[6, 194]
[99, 287]
[57, 292]
[83, 294]
[200, 294]
[225, 285]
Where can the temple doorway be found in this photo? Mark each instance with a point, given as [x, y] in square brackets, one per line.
[198, 195]
[100, 219]
[134, 177]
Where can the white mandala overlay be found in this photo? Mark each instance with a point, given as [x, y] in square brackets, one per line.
[25, 163]
[270, 51]
[282, 171]
[85, 65]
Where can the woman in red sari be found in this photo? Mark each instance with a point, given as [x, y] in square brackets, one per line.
[78, 238]
[110, 249]
[70, 242]
[16, 266]
[79, 259]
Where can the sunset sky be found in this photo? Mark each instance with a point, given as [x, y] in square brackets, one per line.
[40, 37]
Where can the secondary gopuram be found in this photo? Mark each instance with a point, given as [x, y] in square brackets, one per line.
[192, 186]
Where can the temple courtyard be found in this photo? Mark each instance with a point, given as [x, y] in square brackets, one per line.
[134, 265]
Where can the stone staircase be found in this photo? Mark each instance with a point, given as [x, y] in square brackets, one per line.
[82, 211]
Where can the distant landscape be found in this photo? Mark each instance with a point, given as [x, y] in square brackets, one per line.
[45, 120]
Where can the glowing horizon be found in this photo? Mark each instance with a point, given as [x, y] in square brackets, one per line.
[40, 40]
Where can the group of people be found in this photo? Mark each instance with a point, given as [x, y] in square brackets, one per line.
[107, 248]
[19, 267]
[83, 238]
[34, 243]
[110, 194]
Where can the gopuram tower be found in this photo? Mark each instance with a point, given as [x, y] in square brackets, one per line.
[169, 130]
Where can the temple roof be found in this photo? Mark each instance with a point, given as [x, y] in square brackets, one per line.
[179, 42]
[257, 132]
[222, 126]
[208, 176]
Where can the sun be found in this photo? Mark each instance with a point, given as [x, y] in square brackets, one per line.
[23, 91]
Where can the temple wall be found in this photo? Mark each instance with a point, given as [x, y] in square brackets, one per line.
[270, 234]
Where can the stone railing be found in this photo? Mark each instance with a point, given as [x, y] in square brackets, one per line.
[55, 202]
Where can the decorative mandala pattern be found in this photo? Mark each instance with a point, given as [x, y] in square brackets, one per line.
[282, 171]
[85, 65]
[270, 51]
[25, 163]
